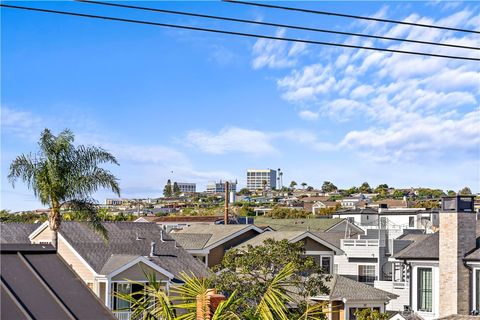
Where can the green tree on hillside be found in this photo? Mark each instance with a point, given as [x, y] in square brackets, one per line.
[176, 189]
[168, 191]
[365, 188]
[327, 186]
[293, 184]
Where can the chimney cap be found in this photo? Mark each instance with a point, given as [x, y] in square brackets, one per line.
[458, 203]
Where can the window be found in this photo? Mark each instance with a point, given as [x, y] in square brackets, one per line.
[411, 222]
[366, 273]
[351, 219]
[325, 263]
[424, 289]
[119, 304]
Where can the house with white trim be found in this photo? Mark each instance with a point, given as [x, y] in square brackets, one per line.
[440, 271]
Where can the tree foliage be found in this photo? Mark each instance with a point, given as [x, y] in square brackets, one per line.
[369, 314]
[465, 191]
[365, 188]
[251, 272]
[26, 217]
[286, 213]
[176, 189]
[189, 301]
[62, 174]
[327, 186]
[244, 192]
[293, 184]
[427, 193]
[168, 190]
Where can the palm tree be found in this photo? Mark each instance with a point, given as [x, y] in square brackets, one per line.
[272, 306]
[293, 184]
[64, 175]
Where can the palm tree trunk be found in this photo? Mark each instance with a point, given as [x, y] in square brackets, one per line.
[54, 221]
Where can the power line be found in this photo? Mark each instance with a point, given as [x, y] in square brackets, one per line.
[351, 16]
[251, 35]
[271, 24]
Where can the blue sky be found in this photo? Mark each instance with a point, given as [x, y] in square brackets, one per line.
[209, 106]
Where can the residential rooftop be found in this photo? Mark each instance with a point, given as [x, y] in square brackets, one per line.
[38, 284]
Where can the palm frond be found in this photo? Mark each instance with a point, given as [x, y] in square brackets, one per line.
[223, 313]
[273, 304]
[185, 295]
[151, 302]
[314, 312]
[88, 208]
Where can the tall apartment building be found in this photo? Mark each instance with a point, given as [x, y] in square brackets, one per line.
[186, 186]
[219, 187]
[257, 179]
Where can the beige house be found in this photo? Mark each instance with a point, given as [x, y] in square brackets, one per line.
[132, 250]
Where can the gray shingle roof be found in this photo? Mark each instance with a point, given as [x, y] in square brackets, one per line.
[274, 235]
[16, 232]
[474, 256]
[332, 238]
[342, 288]
[191, 241]
[318, 224]
[127, 239]
[216, 232]
[423, 247]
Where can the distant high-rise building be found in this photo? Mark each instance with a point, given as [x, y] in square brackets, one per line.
[258, 179]
[187, 187]
[219, 187]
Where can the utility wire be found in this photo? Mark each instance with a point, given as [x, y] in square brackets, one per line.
[251, 35]
[271, 24]
[351, 16]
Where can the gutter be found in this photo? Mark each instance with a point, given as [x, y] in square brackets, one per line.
[470, 287]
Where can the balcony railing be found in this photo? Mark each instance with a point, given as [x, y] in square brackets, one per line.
[360, 242]
[123, 315]
[361, 248]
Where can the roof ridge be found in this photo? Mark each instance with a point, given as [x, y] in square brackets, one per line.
[334, 283]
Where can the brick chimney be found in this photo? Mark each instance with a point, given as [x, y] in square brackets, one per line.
[207, 304]
[457, 237]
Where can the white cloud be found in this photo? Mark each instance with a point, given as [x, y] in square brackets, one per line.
[20, 123]
[410, 105]
[308, 115]
[251, 142]
[276, 53]
[306, 84]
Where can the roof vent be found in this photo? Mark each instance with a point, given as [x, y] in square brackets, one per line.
[152, 248]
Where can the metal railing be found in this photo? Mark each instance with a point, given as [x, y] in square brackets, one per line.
[122, 315]
[360, 242]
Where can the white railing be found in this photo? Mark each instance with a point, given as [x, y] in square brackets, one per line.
[361, 248]
[360, 242]
[400, 285]
[122, 315]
